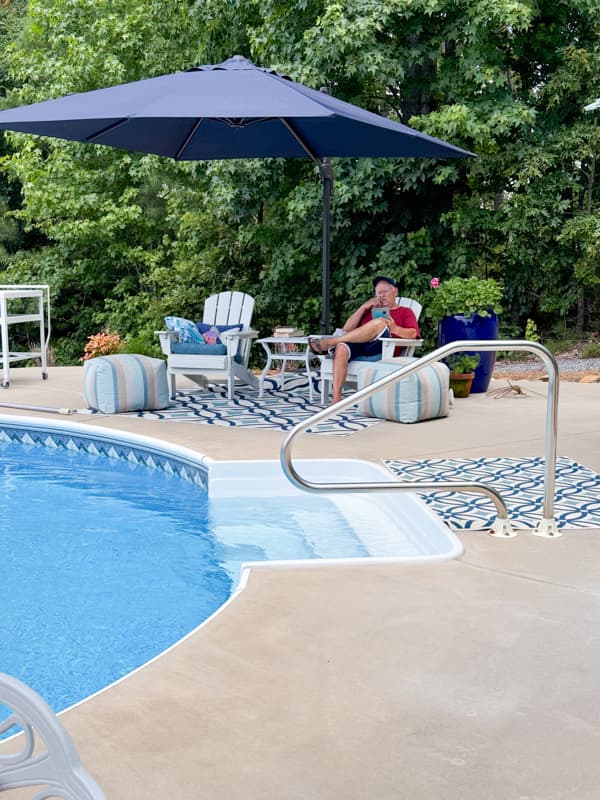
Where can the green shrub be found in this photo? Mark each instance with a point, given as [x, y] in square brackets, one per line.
[142, 346]
[591, 350]
[531, 331]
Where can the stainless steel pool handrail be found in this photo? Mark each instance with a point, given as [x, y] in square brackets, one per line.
[501, 527]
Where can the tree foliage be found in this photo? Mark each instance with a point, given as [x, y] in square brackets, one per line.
[124, 239]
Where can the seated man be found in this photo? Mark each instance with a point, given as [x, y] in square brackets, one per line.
[363, 331]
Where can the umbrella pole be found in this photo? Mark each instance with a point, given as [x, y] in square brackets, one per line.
[326, 171]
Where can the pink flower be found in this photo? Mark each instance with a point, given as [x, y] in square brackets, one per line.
[434, 283]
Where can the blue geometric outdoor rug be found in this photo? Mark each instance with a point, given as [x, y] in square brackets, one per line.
[520, 481]
[276, 410]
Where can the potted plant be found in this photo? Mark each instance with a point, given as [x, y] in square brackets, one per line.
[462, 372]
[468, 308]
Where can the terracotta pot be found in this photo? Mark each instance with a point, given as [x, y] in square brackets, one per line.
[460, 383]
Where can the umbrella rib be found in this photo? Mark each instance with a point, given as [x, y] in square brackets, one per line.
[234, 123]
[188, 139]
[287, 124]
[111, 127]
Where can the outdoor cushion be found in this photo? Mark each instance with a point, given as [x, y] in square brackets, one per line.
[192, 348]
[376, 357]
[422, 395]
[125, 383]
[205, 329]
[187, 330]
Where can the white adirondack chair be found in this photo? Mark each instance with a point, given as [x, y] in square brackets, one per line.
[226, 308]
[355, 365]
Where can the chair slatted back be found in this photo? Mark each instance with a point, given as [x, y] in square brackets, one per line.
[414, 305]
[228, 308]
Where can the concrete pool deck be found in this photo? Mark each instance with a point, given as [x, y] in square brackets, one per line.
[474, 678]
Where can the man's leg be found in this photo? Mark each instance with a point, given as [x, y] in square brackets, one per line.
[365, 333]
[340, 370]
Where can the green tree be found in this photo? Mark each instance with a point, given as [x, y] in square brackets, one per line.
[12, 17]
[508, 81]
[98, 214]
[125, 239]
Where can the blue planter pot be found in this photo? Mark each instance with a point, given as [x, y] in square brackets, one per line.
[453, 329]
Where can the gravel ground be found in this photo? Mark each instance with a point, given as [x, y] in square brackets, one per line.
[564, 365]
[570, 367]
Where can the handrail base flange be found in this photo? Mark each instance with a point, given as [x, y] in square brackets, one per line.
[502, 529]
[547, 528]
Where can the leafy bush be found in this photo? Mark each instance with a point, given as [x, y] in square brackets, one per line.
[590, 350]
[531, 331]
[466, 296]
[102, 344]
[141, 345]
[460, 363]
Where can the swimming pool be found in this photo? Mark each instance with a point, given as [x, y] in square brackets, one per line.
[115, 547]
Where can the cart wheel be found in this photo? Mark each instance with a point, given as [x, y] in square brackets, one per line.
[5, 384]
[44, 376]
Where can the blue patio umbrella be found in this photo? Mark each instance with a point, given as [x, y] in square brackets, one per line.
[229, 110]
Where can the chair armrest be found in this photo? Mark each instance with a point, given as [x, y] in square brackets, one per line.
[388, 346]
[247, 334]
[166, 339]
[233, 339]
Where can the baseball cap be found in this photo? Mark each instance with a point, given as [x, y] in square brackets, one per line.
[384, 278]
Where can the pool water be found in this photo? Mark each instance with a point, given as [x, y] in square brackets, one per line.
[107, 563]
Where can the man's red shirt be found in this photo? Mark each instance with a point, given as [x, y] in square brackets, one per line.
[401, 315]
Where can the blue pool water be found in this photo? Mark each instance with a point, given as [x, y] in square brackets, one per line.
[106, 563]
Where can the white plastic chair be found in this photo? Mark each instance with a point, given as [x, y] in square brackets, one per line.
[45, 754]
[226, 308]
[354, 366]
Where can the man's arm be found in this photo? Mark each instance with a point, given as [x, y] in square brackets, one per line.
[401, 333]
[403, 324]
[354, 319]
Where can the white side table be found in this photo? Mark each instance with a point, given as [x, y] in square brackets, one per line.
[276, 350]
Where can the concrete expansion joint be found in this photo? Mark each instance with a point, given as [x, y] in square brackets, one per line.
[528, 577]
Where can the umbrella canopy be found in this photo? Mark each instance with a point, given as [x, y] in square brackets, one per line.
[229, 110]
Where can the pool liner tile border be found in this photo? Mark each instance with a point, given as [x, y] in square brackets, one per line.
[97, 444]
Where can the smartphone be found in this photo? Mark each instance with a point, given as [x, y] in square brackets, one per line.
[376, 313]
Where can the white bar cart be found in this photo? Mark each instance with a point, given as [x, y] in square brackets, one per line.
[38, 311]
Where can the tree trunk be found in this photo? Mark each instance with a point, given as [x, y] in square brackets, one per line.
[579, 325]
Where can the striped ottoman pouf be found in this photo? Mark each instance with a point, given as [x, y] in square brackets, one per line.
[125, 383]
[422, 395]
